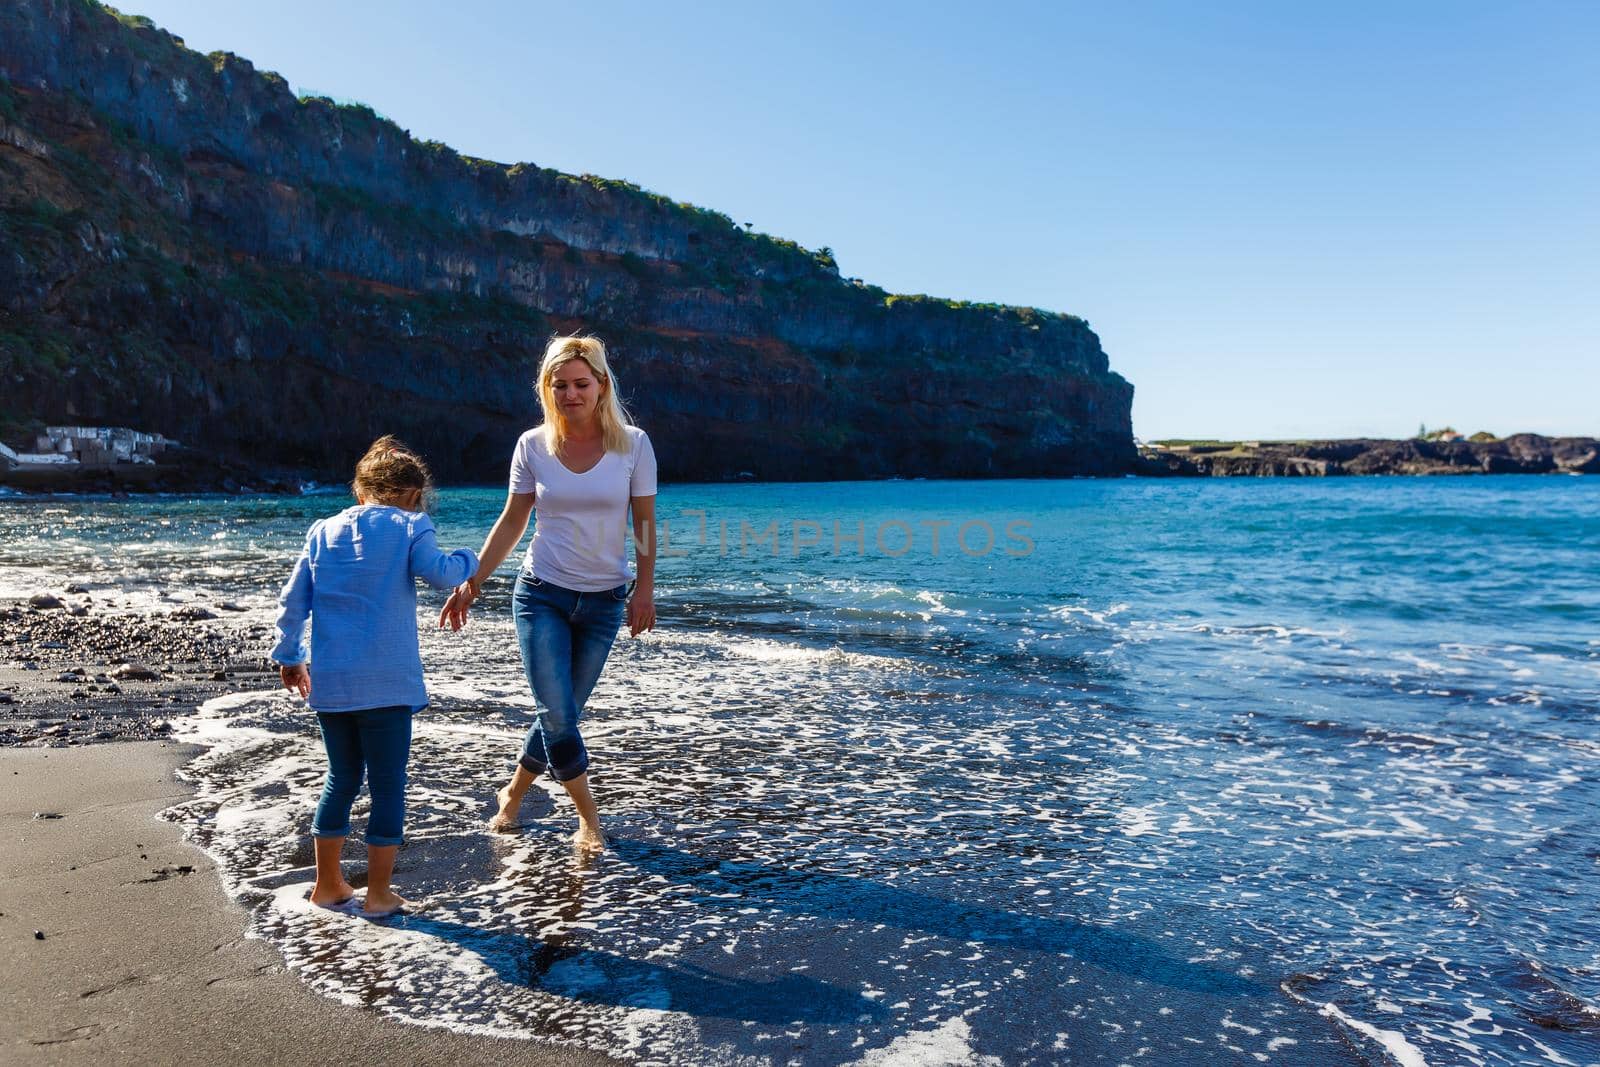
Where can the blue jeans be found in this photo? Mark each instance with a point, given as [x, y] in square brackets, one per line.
[565, 637]
[376, 742]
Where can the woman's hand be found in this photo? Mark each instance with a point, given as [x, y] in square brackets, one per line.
[454, 612]
[641, 609]
[296, 679]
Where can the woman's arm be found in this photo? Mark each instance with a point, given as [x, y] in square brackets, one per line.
[507, 531]
[642, 605]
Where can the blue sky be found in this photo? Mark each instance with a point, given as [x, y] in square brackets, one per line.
[1283, 219]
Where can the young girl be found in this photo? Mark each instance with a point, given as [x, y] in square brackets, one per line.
[356, 581]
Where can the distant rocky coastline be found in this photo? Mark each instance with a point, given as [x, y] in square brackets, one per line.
[182, 471]
[1523, 453]
[119, 459]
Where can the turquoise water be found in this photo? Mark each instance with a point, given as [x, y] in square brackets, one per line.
[1303, 770]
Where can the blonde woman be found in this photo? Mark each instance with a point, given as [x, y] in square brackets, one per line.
[582, 471]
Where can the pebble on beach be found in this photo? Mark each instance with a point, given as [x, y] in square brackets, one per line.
[136, 672]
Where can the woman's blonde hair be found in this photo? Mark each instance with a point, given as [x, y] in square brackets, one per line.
[612, 415]
[390, 472]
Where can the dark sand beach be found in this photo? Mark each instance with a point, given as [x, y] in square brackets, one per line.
[144, 958]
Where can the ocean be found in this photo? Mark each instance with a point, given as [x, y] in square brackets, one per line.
[1279, 771]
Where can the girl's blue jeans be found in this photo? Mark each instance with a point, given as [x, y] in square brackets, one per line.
[565, 637]
[375, 743]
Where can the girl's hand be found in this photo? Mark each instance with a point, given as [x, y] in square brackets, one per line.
[454, 612]
[641, 610]
[296, 679]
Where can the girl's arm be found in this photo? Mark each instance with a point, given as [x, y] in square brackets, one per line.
[507, 531]
[294, 608]
[440, 569]
[642, 605]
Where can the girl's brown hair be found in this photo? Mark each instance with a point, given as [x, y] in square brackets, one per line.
[390, 473]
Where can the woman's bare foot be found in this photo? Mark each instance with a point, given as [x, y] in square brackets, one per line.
[506, 820]
[589, 838]
[380, 905]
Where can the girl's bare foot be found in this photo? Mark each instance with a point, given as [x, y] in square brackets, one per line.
[330, 889]
[589, 838]
[381, 905]
[505, 820]
[332, 896]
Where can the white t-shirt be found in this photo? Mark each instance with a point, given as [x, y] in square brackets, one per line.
[581, 520]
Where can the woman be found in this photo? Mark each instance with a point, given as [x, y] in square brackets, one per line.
[582, 470]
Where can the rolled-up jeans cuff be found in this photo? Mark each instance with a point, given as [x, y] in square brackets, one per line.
[331, 833]
[560, 774]
[569, 757]
[384, 842]
[567, 774]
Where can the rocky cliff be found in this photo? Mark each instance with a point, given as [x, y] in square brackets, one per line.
[1523, 453]
[188, 248]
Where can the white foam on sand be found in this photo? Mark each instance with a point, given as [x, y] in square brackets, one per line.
[1393, 1042]
[627, 969]
[323, 946]
[778, 653]
[19, 583]
[947, 1045]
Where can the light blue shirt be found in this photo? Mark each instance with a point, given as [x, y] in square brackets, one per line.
[356, 582]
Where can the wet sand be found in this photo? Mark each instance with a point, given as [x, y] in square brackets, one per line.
[144, 959]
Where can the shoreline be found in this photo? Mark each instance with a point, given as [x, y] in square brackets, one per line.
[144, 957]
[1525, 453]
[1152, 468]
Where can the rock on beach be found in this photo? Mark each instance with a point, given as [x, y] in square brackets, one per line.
[136, 672]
